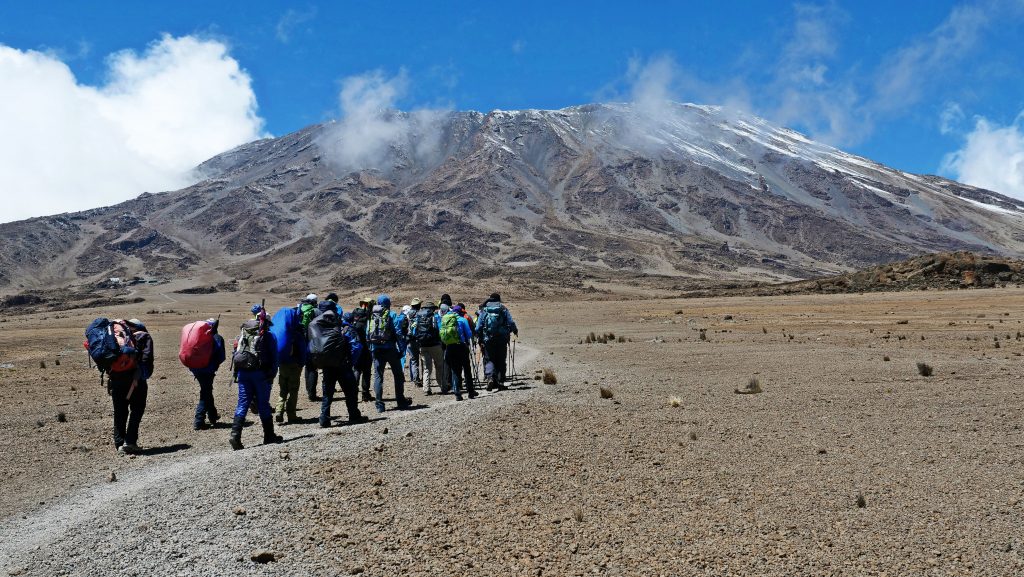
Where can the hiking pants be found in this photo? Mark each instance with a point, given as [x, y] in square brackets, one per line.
[347, 379]
[206, 407]
[383, 357]
[457, 358]
[129, 406]
[497, 349]
[446, 371]
[311, 378]
[288, 377]
[415, 370]
[431, 365]
[254, 385]
[364, 368]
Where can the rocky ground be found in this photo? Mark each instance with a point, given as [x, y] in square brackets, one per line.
[850, 462]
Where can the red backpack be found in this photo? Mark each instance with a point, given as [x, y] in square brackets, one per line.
[196, 345]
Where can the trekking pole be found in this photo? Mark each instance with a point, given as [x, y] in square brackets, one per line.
[514, 358]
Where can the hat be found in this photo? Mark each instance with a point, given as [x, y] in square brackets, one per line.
[406, 308]
[446, 299]
[367, 300]
[429, 305]
[311, 297]
[325, 306]
[332, 297]
[457, 308]
[384, 301]
[255, 309]
[416, 302]
[495, 298]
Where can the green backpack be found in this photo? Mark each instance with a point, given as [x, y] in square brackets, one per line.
[450, 329]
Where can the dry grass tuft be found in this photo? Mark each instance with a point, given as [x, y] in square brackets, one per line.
[606, 393]
[924, 369]
[861, 501]
[753, 387]
[675, 401]
[548, 377]
[61, 417]
[693, 436]
[886, 358]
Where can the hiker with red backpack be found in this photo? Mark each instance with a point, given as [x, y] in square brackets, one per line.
[386, 333]
[255, 365]
[457, 338]
[494, 327]
[202, 352]
[123, 353]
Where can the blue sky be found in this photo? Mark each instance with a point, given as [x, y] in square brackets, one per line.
[905, 83]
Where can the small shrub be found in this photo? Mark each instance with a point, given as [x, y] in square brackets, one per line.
[621, 339]
[764, 330]
[610, 336]
[56, 362]
[703, 334]
[606, 393]
[61, 417]
[548, 377]
[903, 322]
[42, 364]
[861, 501]
[886, 358]
[693, 436]
[577, 514]
[997, 344]
[675, 402]
[924, 369]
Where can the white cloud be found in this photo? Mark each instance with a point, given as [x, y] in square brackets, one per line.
[992, 157]
[68, 146]
[372, 133]
[950, 118]
[291, 20]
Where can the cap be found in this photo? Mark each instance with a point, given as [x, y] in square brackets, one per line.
[311, 297]
[457, 308]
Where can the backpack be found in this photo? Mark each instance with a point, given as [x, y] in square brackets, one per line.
[286, 326]
[111, 345]
[309, 312]
[196, 345]
[381, 330]
[424, 329]
[450, 329]
[328, 346]
[248, 347]
[495, 322]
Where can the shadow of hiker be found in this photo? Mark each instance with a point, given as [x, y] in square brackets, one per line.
[150, 451]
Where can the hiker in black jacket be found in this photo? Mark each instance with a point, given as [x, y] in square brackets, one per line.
[128, 390]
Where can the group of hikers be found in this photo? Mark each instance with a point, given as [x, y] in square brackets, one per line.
[440, 344]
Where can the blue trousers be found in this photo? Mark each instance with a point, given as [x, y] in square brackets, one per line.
[254, 384]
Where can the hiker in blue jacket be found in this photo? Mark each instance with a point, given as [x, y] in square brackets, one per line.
[255, 361]
[206, 409]
[291, 358]
[386, 334]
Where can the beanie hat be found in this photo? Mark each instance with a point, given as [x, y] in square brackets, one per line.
[495, 297]
[311, 298]
[332, 297]
[457, 308]
[446, 299]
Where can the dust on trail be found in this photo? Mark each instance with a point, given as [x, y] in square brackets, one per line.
[25, 537]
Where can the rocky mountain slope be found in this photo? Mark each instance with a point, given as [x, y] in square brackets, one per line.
[684, 196]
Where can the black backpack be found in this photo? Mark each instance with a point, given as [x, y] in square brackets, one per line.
[424, 329]
[328, 346]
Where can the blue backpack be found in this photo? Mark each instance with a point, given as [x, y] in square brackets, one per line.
[495, 322]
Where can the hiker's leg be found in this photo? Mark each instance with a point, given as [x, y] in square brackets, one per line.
[200, 416]
[311, 379]
[351, 390]
[365, 369]
[206, 390]
[330, 378]
[395, 360]
[451, 358]
[379, 361]
[467, 369]
[263, 387]
[136, 408]
[414, 363]
[245, 396]
[118, 392]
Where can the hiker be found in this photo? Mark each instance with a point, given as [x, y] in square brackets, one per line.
[446, 372]
[127, 373]
[286, 325]
[457, 338]
[494, 327]
[413, 347]
[308, 308]
[363, 367]
[332, 348]
[385, 334]
[425, 331]
[206, 408]
[255, 365]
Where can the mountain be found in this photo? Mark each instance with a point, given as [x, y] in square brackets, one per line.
[570, 198]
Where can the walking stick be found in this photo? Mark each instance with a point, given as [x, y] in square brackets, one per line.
[514, 373]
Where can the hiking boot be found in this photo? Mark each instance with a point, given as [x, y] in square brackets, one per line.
[380, 407]
[367, 397]
[325, 424]
[473, 394]
[235, 440]
[358, 419]
[128, 449]
[279, 418]
[458, 397]
[428, 392]
[292, 420]
[199, 426]
[314, 399]
[269, 436]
